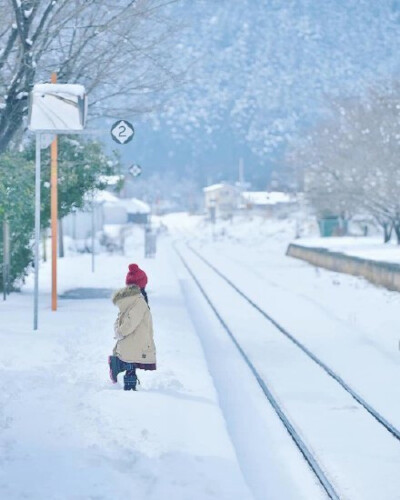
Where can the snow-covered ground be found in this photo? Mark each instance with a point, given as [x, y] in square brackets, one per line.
[66, 432]
[199, 427]
[350, 324]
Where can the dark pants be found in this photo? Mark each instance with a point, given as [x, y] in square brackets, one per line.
[130, 378]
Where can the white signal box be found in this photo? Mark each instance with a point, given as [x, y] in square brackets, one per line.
[57, 107]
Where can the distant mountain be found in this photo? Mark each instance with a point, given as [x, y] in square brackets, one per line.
[260, 72]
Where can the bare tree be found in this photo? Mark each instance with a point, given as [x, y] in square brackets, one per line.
[119, 50]
[351, 162]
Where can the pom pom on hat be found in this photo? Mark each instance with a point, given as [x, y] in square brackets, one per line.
[136, 276]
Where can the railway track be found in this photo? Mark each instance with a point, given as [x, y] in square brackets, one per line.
[294, 433]
[382, 420]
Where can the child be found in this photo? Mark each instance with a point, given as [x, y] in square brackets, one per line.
[133, 330]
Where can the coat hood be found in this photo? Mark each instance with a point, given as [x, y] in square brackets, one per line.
[122, 293]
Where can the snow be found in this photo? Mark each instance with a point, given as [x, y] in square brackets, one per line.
[131, 205]
[73, 89]
[273, 87]
[102, 196]
[112, 230]
[67, 431]
[214, 187]
[135, 206]
[21, 95]
[111, 180]
[57, 107]
[266, 198]
[265, 451]
[322, 410]
[199, 427]
[350, 324]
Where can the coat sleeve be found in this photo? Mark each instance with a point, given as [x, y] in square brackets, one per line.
[132, 319]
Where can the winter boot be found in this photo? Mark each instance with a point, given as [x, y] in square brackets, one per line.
[116, 367]
[130, 380]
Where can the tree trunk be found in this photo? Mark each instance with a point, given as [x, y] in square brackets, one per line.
[44, 244]
[387, 231]
[396, 227]
[6, 258]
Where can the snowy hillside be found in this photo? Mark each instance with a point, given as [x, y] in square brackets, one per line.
[275, 67]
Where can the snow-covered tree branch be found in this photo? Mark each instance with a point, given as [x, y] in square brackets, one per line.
[351, 163]
[119, 50]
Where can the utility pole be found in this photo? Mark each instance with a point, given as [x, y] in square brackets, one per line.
[241, 182]
[54, 214]
[93, 230]
[241, 174]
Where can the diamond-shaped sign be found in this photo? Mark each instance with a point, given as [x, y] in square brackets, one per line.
[122, 132]
[135, 170]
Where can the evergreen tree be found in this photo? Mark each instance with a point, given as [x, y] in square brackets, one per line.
[81, 169]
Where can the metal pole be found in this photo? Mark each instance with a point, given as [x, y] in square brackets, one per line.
[37, 232]
[92, 232]
[54, 214]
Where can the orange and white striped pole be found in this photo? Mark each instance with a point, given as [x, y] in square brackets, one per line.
[54, 214]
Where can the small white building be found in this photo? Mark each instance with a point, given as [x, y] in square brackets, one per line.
[108, 210]
[221, 200]
[272, 203]
[78, 224]
[114, 211]
[137, 211]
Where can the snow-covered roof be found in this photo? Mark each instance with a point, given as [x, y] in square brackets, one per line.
[74, 89]
[135, 206]
[101, 197]
[213, 187]
[131, 205]
[266, 198]
[216, 187]
[105, 197]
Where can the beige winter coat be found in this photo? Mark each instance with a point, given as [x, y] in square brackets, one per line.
[134, 329]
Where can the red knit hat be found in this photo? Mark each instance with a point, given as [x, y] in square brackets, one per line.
[136, 276]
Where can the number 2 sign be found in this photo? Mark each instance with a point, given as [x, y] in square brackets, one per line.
[122, 131]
